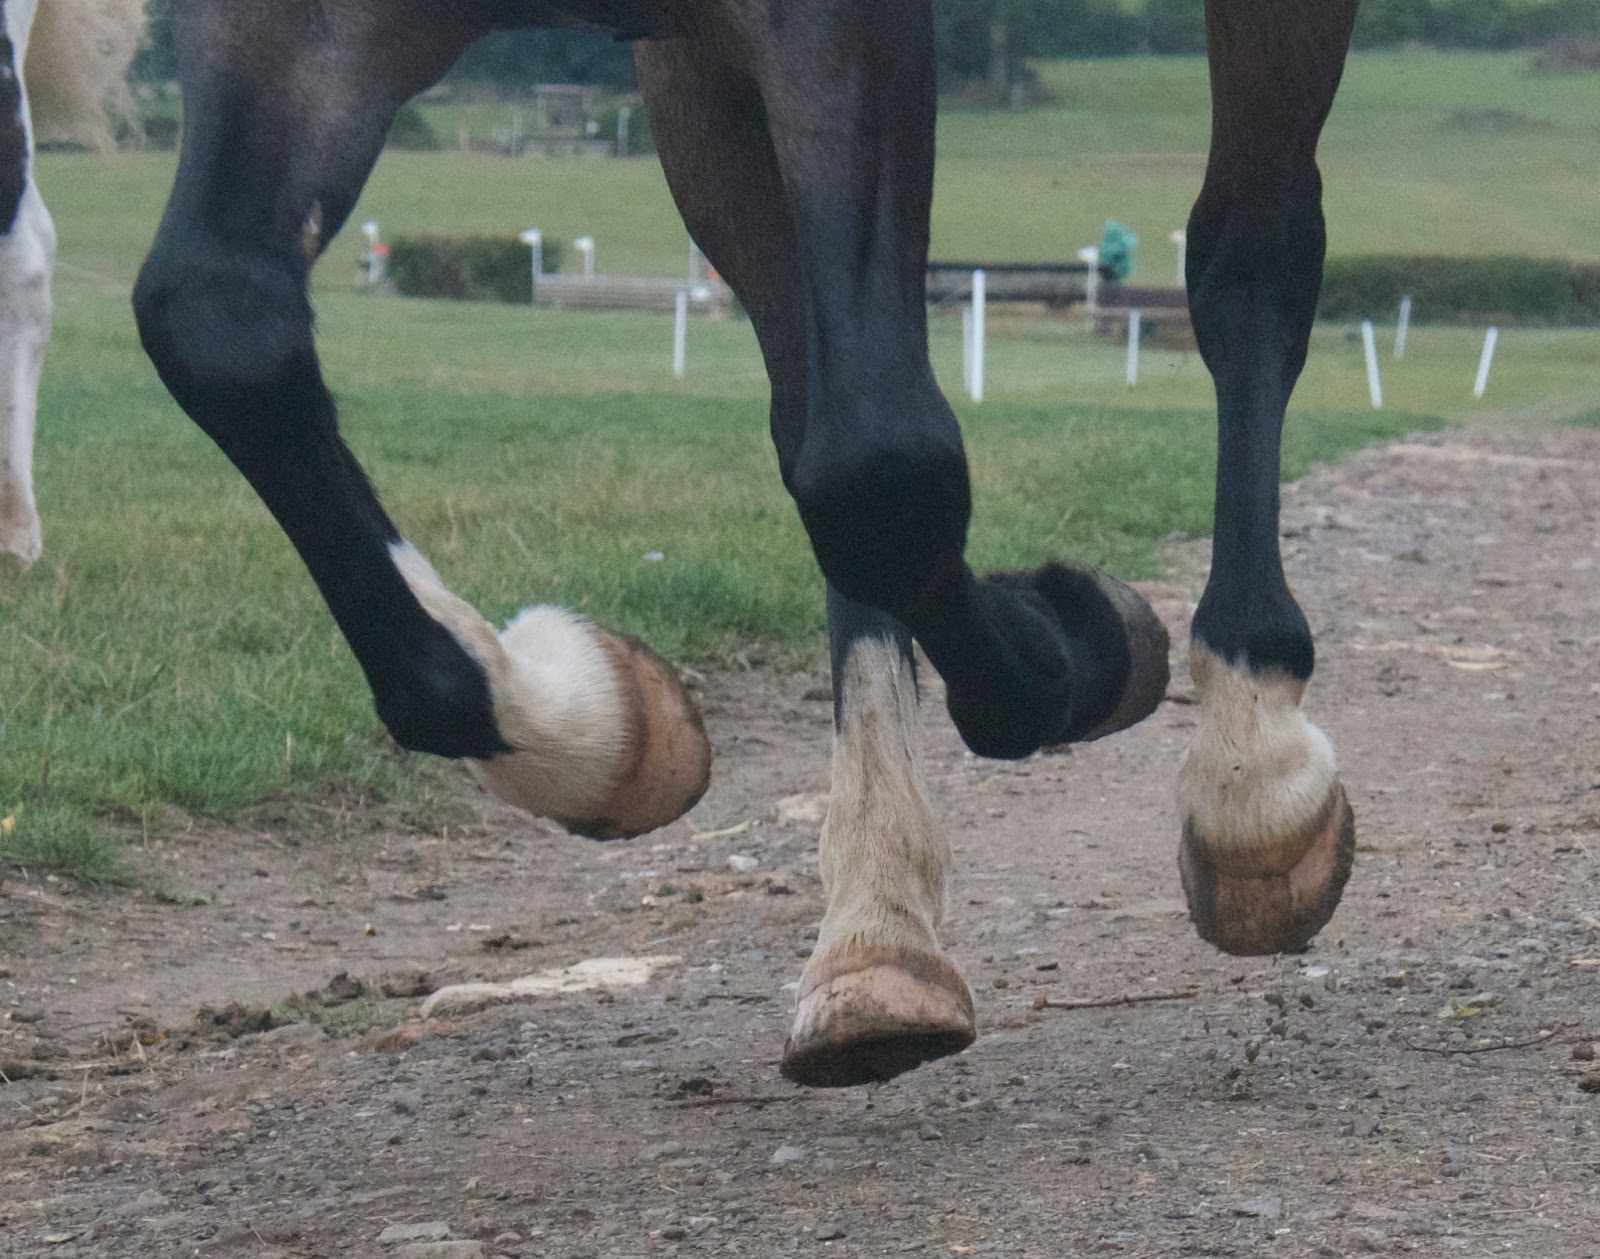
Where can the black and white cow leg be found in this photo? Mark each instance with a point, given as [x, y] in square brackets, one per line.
[878, 996]
[27, 254]
[1268, 834]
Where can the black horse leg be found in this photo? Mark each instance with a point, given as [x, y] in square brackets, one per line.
[264, 180]
[284, 120]
[1268, 834]
[878, 995]
[872, 454]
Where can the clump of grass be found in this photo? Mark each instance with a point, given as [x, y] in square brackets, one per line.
[63, 839]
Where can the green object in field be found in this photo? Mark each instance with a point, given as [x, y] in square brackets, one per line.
[1117, 247]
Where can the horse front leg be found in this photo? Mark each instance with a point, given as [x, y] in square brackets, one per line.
[27, 254]
[878, 995]
[1268, 835]
[285, 119]
[874, 460]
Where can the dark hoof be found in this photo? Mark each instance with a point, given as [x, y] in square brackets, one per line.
[1090, 652]
[872, 1017]
[1274, 899]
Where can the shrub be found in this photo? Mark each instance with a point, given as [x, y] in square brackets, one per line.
[467, 268]
[412, 130]
[640, 139]
[1461, 290]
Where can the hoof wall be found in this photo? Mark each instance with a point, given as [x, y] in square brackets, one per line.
[670, 757]
[1256, 902]
[883, 1016]
[1148, 666]
[1112, 672]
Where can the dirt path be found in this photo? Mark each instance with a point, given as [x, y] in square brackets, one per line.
[1294, 1106]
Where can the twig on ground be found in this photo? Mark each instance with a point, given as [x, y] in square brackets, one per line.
[1544, 1036]
[1105, 1003]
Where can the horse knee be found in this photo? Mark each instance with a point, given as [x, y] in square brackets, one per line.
[229, 332]
[888, 521]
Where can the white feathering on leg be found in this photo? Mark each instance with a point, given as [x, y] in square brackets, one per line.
[1257, 770]
[557, 698]
[884, 857]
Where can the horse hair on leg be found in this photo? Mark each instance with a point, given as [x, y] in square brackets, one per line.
[27, 254]
[1268, 836]
[603, 737]
[878, 996]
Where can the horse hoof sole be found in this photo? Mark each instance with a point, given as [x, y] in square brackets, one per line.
[877, 1017]
[1257, 903]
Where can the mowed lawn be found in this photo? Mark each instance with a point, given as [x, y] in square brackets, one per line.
[168, 657]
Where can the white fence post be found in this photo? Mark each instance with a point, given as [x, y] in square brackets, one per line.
[533, 238]
[680, 332]
[1487, 357]
[1404, 326]
[1133, 346]
[1370, 345]
[966, 347]
[1091, 282]
[980, 283]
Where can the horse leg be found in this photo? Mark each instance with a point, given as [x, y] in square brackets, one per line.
[1268, 836]
[878, 996]
[27, 253]
[285, 119]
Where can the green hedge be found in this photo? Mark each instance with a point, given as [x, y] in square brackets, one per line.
[1463, 290]
[467, 268]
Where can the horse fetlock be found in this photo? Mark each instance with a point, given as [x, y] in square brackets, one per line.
[595, 731]
[20, 537]
[1268, 834]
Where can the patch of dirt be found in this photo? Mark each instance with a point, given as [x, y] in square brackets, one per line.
[1421, 1080]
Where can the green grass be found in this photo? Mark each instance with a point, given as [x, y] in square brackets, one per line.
[170, 656]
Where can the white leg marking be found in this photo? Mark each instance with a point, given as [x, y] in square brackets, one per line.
[557, 697]
[26, 257]
[884, 858]
[27, 254]
[1257, 773]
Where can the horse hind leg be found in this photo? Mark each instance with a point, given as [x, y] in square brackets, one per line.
[1268, 834]
[878, 996]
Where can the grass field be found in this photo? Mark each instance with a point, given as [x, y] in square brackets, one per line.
[169, 657]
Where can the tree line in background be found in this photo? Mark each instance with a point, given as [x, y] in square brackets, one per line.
[985, 46]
